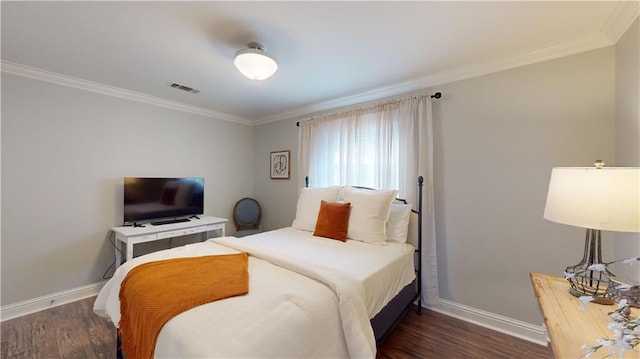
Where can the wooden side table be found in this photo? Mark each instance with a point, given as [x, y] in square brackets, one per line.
[569, 326]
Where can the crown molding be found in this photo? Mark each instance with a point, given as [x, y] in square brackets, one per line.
[621, 19]
[74, 82]
[448, 76]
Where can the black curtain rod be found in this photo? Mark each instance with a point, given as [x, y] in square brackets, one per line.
[436, 95]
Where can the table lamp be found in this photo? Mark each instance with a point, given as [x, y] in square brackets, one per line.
[596, 198]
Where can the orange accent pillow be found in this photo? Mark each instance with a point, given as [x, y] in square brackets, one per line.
[333, 220]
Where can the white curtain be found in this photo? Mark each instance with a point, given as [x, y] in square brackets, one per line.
[385, 145]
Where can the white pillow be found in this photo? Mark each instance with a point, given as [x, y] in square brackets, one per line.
[398, 223]
[309, 206]
[369, 213]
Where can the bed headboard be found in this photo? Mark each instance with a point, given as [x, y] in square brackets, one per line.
[412, 235]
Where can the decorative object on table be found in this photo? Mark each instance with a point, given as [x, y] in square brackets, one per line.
[626, 335]
[620, 289]
[280, 166]
[596, 198]
[622, 322]
[255, 63]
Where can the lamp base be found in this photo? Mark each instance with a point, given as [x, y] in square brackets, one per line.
[588, 282]
[598, 294]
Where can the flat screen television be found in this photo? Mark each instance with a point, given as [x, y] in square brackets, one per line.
[162, 200]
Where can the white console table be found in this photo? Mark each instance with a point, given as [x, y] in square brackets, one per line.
[128, 236]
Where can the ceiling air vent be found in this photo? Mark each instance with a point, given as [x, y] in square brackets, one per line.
[183, 87]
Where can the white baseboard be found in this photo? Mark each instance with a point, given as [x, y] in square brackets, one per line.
[533, 333]
[19, 309]
[513, 327]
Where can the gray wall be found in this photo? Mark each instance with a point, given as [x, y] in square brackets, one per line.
[277, 197]
[64, 153]
[628, 132]
[496, 139]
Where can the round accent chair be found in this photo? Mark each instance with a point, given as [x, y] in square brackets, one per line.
[246, 217]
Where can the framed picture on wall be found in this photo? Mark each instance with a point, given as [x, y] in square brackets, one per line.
[280, 166]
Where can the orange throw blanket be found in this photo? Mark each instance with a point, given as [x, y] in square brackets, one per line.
[154, 292]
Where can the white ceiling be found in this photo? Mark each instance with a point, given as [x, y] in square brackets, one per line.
[329, 53]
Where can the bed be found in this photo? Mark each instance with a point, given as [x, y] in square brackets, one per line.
[309, 296]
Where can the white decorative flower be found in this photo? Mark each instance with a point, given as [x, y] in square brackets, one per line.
[605, 342]
[624, 286]
[625, 341]
[622, 303]
[589, 352]
[614, 326]
[624, 327]
[586, 299]
[597, 267]
[569, 275]
[617, 316]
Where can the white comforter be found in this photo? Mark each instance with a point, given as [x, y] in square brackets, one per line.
[383, 270]
[297, 306]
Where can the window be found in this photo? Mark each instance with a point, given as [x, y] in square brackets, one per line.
[386, 145]
[372, 147]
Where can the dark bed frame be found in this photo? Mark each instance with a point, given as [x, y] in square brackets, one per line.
[384, 322]
[389, 316]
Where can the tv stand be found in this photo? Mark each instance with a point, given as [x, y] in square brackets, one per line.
[170, 221]
[134, 224]
[128, 236]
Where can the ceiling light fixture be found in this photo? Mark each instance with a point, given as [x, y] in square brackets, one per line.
[254, 63]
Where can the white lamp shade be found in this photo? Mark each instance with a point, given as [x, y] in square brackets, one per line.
[255, 64]
[605, 198]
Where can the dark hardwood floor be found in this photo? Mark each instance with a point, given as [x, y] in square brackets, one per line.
[66, 331]
[435, 335]
[73, 331]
